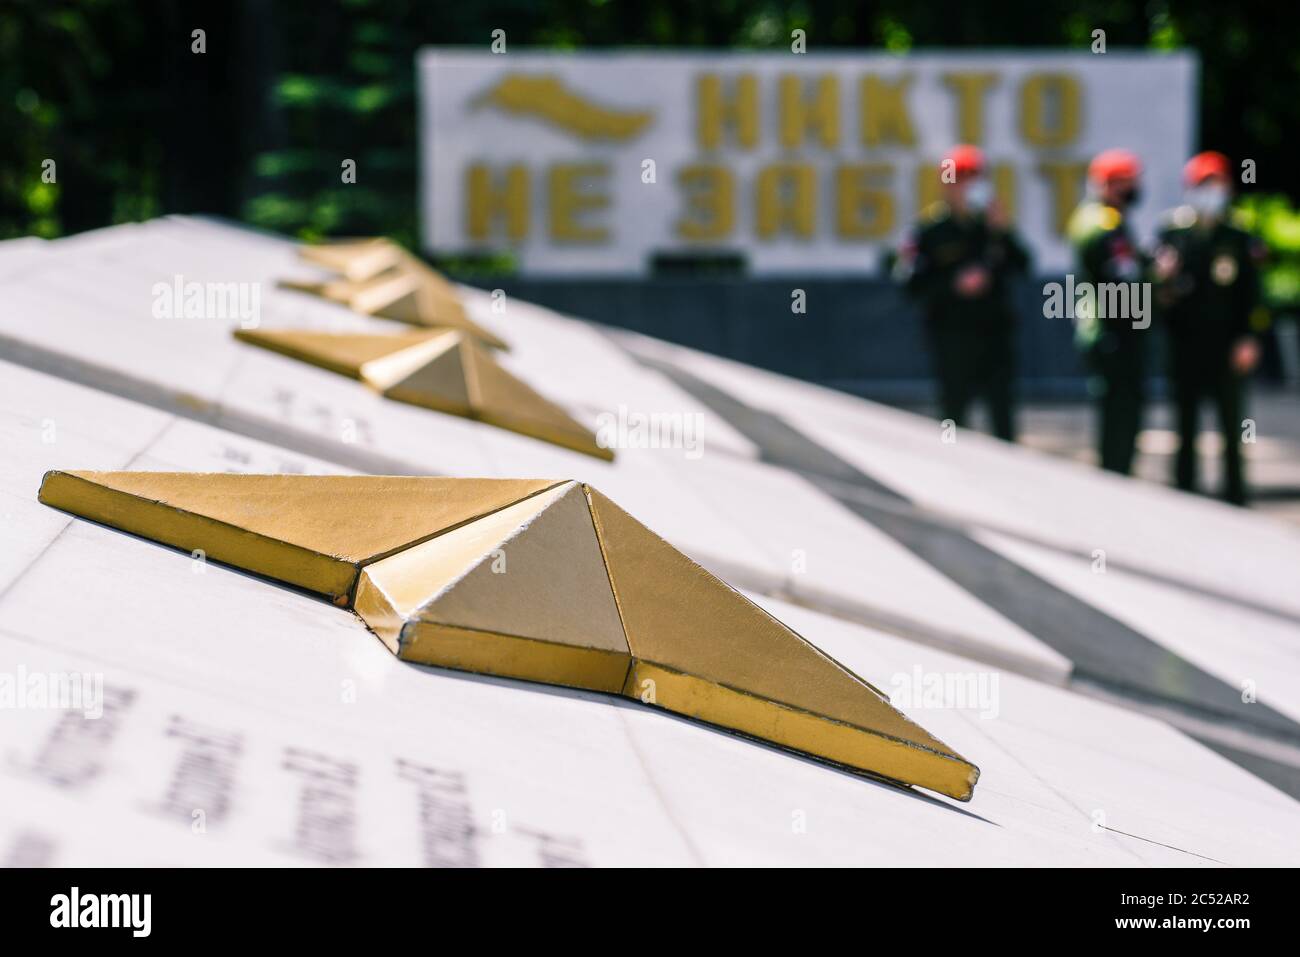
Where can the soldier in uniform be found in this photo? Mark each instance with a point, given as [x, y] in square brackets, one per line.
[1207, 288]
[1114, 350]
[958, 264]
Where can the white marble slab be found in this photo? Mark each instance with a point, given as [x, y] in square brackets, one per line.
[1252, 652]
[195, 656]
[1196, 543]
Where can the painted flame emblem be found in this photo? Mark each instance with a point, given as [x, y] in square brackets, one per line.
[546, 98]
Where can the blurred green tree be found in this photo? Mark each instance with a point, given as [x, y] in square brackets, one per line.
[257, 127]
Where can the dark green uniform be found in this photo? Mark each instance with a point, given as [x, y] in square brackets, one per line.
[1206, 307]
[971, 339]
[1114, 350]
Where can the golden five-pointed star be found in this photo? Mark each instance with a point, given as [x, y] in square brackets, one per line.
[540, 580]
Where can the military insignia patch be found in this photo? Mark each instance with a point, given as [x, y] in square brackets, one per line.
[1224, 270]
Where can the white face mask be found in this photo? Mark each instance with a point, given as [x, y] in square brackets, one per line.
[979, 194]
[1209, 199]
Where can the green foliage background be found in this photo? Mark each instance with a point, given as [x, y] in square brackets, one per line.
[256, 127]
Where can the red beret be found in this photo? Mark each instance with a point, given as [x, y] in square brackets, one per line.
[1114, 164]
[966, 160]
[1204, 165]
